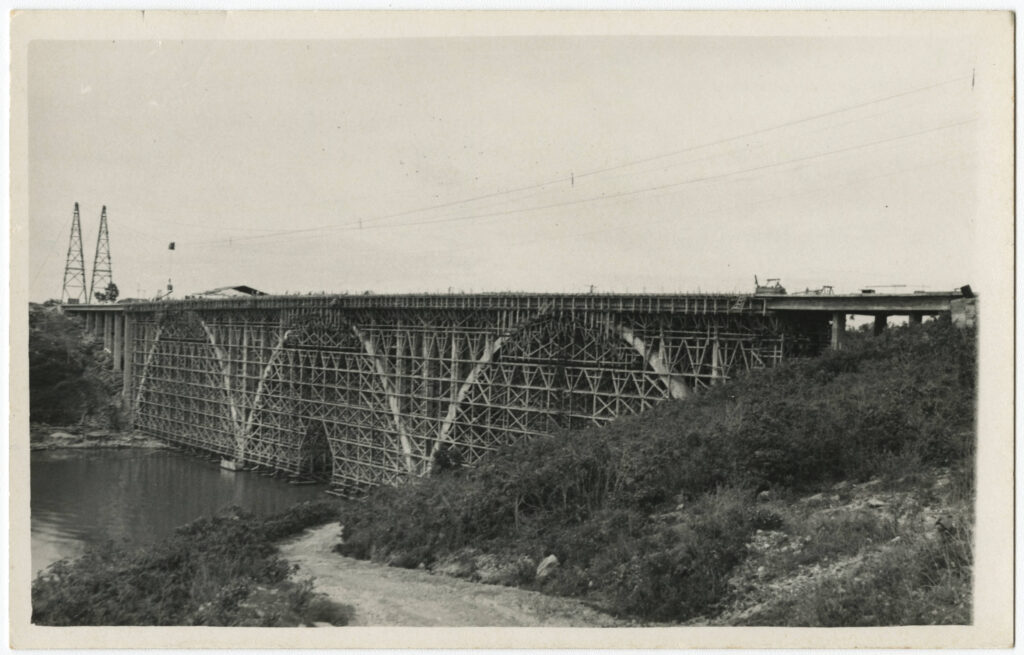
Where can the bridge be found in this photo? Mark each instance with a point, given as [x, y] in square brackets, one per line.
[362, 390]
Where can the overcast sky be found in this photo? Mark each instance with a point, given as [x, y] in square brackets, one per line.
[541, 164]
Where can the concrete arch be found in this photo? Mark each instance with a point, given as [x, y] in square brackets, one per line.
[453, 407]
[379, 365]
[243, 413]
[144, 374]
[657, 360]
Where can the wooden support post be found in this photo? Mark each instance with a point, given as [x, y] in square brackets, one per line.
[118, 340]
[401, 385]
[880, 321]
[915, 318]
[455, 378]
[244, 382]
[838, 329]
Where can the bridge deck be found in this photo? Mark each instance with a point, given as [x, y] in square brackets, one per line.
[687, 303]
[654, 303]
[865, 303]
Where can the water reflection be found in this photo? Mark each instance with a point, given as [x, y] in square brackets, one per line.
[88, 496]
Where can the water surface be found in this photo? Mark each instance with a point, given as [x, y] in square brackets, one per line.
[82, 497]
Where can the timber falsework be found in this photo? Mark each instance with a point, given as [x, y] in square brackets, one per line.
[362, 390]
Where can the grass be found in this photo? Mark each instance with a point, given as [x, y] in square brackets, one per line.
[219, 571]
[652, 515]
[922, 580]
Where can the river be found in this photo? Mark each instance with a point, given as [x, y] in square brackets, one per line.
[86, 496]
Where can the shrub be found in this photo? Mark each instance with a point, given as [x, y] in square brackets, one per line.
[682, 569]
[223, 570]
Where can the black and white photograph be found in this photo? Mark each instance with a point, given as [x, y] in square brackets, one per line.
[609, 322]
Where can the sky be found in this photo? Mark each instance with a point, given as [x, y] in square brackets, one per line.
[618, 163]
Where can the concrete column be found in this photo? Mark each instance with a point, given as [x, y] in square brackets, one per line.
[880, 321]
[129, 354]
[88, 322]
[915, 318]
[118, 340]
[838, 329]
[107, 331]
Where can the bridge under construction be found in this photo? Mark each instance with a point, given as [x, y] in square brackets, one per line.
[362, 390]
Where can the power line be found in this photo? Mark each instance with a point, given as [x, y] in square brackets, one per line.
[597, 171]
[632, 192]
[756, 203]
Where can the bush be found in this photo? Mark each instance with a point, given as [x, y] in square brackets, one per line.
[682, 570]
[223, 570]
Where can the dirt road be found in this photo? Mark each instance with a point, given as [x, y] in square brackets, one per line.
[383, 595]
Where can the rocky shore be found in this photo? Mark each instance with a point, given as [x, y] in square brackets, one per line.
[49, 437]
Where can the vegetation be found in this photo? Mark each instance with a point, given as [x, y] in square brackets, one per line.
[70, 379]
[658, 516]
[222, 571]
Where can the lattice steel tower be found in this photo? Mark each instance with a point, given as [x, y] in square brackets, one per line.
[74, 266]
[101, 273]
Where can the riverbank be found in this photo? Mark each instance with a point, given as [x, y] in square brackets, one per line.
[50, 437]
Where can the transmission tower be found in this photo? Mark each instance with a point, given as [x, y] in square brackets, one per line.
[74, 266]
[102, 282]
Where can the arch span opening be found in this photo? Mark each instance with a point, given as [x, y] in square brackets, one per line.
[316, 461]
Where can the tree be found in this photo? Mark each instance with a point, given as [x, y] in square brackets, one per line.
[68, 376]
[110, 295]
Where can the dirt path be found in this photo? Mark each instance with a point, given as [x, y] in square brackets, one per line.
[383, 595]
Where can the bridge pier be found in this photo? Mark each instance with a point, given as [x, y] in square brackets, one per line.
[915, 318]
[838, 329]
[118, 340]
[107, 331]
[127, 367]
[880, 323]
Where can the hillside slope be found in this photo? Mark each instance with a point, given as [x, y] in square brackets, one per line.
[832, 491]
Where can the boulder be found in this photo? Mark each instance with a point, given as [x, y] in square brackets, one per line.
[547, 566]
[875, 502]
[816, 500]
[62, 435]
